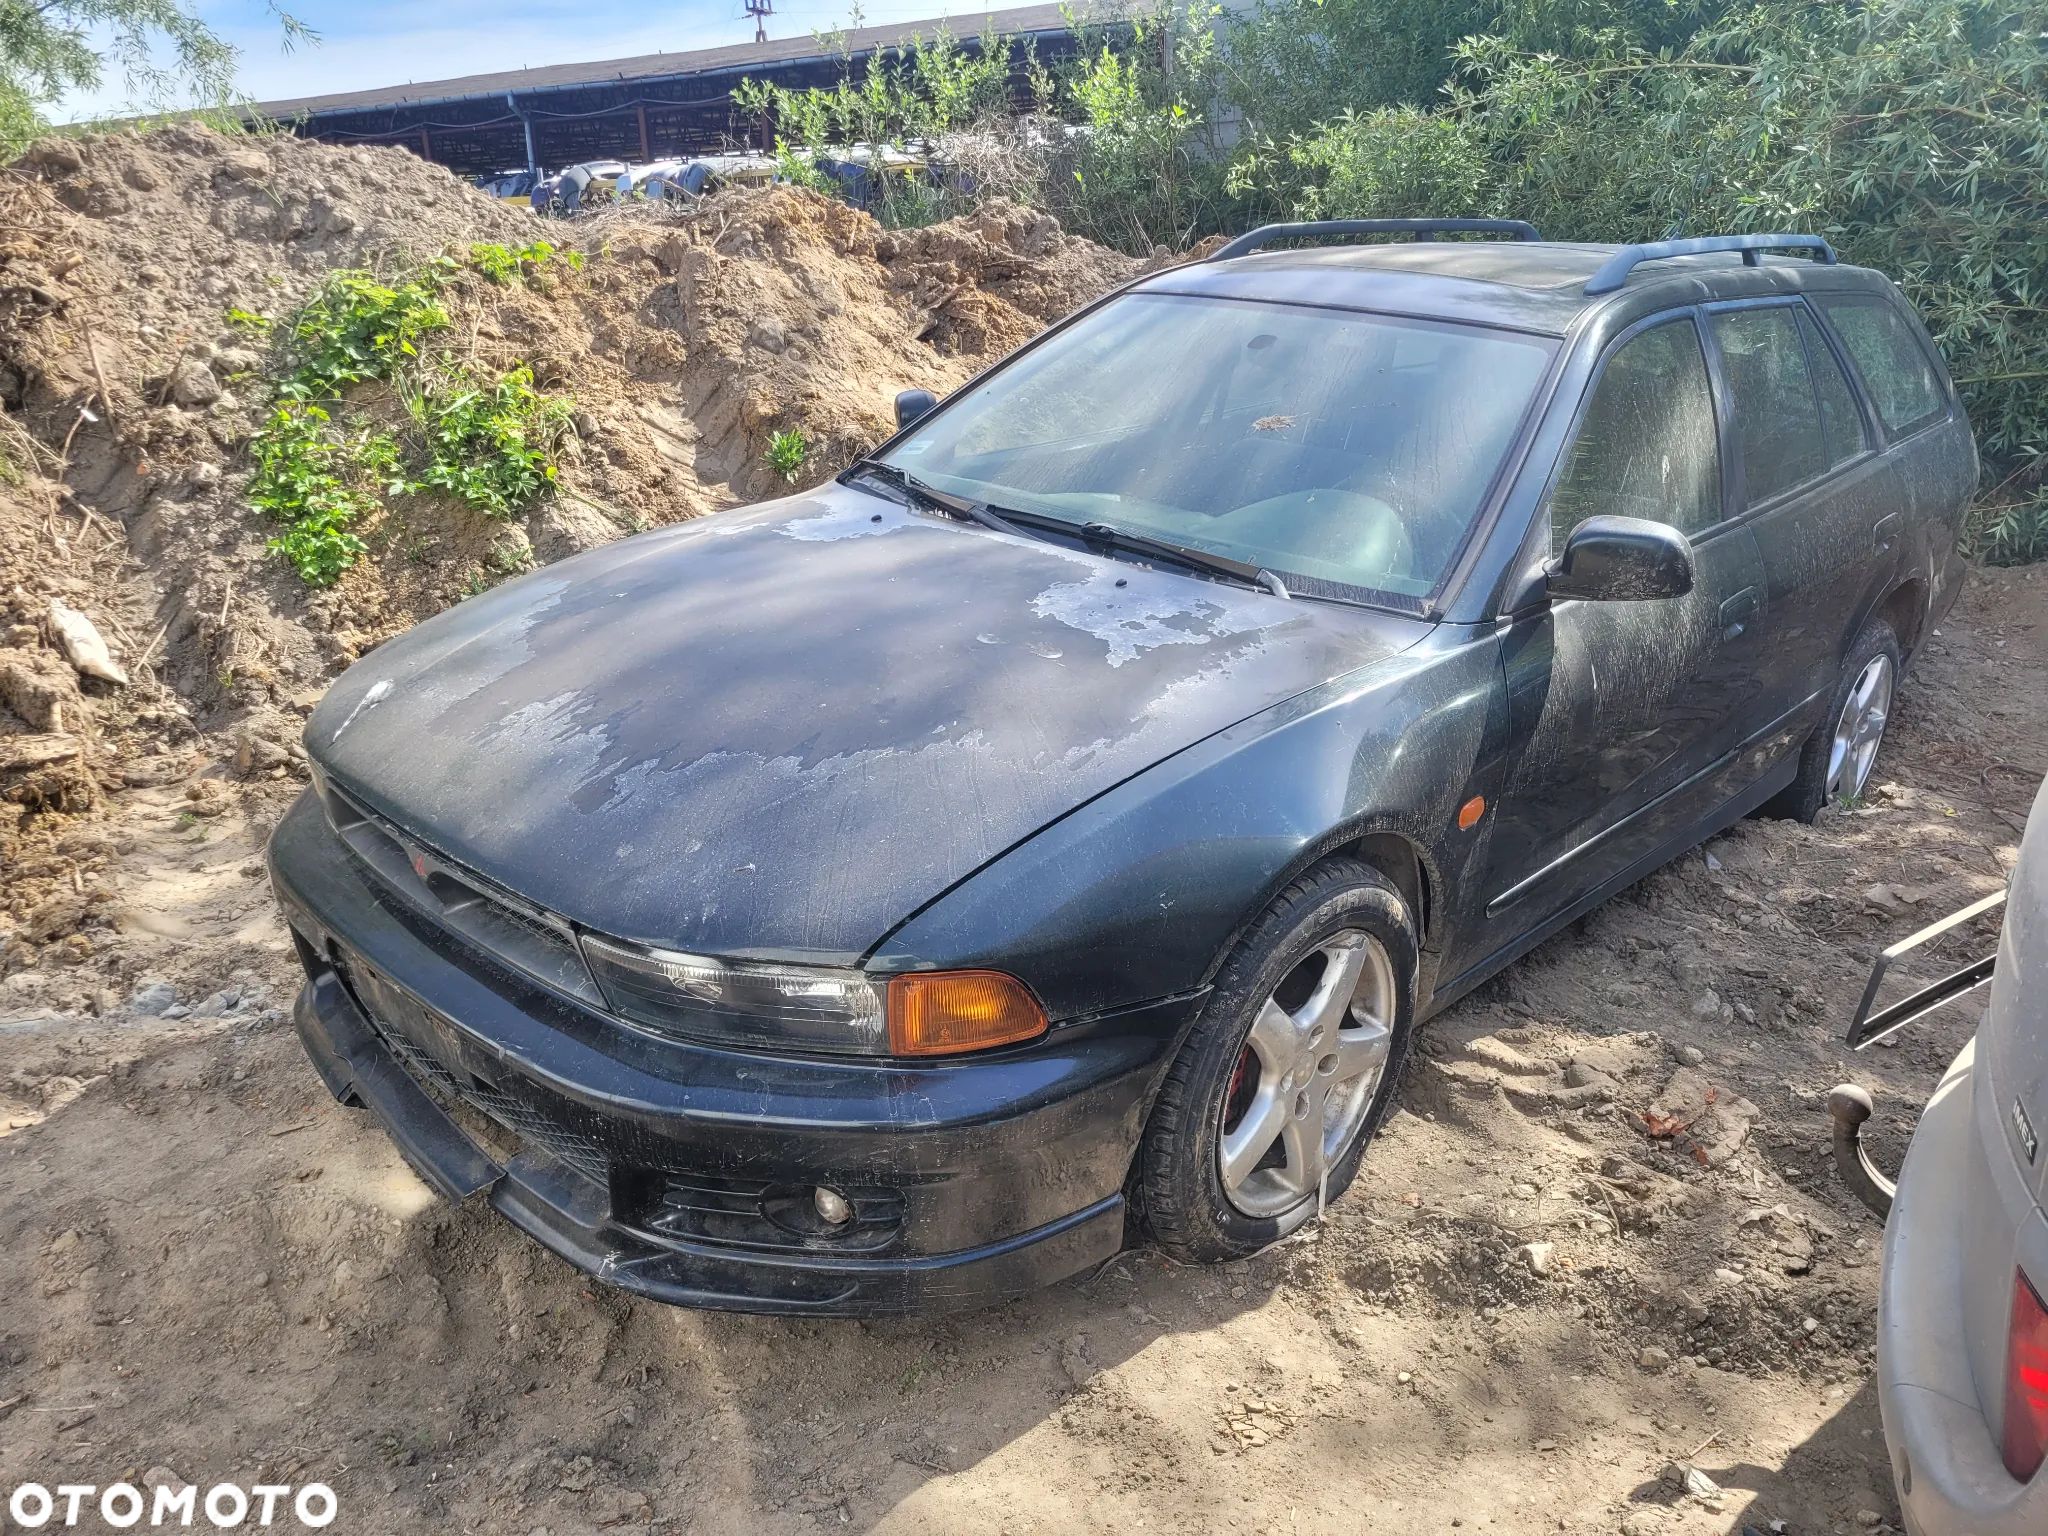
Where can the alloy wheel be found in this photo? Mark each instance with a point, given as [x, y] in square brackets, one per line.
[1859, 730]
[1304, 1083]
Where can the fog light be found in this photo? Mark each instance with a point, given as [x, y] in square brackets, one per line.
[833, 1208]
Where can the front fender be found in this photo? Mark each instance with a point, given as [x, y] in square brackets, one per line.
[1139, 893]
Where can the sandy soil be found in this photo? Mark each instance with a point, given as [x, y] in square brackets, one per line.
[212, 1269]
[213, 1273]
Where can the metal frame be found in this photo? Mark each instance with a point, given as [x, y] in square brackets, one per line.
[1244, 245]
[1849, 1106]
[1867, 1028]
[1615, 270]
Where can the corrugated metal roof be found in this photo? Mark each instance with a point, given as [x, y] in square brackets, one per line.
[1030, 18]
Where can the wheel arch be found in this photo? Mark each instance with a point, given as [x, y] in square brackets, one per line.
[1395, 854]
[1904, 608]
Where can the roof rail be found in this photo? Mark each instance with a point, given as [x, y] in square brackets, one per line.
[1615, 270]
[1244, 245]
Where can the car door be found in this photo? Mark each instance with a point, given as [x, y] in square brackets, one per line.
[1625, 715]
[1827, 510]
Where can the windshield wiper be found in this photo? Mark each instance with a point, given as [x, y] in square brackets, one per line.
[1023, 524]
[1196, 559]
[952, 506]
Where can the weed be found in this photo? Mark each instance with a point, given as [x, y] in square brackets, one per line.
[489, 441]
[247, 320]
[302, 480]
[497, 565]
[510, 561]
[787, 453]
[356, 328]
[2011, 533]
[506, 264]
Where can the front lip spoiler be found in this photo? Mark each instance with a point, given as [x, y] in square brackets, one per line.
[564, 1212]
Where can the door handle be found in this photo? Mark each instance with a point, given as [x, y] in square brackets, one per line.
[1737, 611]
[1883, 531]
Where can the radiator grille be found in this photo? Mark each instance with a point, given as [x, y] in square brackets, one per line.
[523, 1121]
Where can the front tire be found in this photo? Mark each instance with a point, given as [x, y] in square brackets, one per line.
[1288, 1072]
[1835, 764]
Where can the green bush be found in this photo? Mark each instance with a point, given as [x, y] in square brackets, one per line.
[1911, 133]
[788, 452]
[914, 94]
[303, 479]
[356, 328]
[1146, 170]
[486, 440]
[489, 442]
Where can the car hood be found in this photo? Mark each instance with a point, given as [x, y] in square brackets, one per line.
[784, 729]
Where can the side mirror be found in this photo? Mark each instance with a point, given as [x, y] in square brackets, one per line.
[911, 404]
[1622, 559]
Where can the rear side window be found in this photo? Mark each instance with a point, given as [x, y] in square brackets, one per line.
[1895, 367]
[1840, 417]
[1646, 446]
[1776, 419]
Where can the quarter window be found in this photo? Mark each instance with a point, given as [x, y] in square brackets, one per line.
[1647, 446]
[1776, 420]
[1902, 382]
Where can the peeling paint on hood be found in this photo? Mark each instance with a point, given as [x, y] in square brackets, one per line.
[780, 731]
[1180, 613]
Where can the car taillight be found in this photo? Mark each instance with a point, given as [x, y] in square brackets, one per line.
[2026, 1383]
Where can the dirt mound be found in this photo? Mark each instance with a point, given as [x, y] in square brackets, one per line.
[144, 282]
[794, 311]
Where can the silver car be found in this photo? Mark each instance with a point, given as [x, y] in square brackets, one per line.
[1962, 1330]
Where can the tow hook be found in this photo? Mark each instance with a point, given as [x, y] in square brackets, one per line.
[1849, 1106]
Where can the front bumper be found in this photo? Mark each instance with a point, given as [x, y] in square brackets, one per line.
[1960, 1222]
[975, 1180]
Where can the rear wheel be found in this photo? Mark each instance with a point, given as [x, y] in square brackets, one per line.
[1836, 763]
[1287, 1074]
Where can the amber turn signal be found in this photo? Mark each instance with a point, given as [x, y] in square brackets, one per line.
[940, 1013]
[1470, 812]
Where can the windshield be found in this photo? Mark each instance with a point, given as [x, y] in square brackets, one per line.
[1339, 450]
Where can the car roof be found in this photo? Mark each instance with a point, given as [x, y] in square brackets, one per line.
[1532, 285]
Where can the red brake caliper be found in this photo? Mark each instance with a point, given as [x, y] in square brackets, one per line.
[1235, 1099]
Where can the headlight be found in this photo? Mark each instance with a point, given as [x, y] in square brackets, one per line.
[739, 1002]
[812, 1007]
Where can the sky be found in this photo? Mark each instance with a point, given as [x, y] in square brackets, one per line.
[381, 42]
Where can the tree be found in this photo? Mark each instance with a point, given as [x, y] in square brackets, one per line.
[1912, 133]
[166, 56]
[1292, 64]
